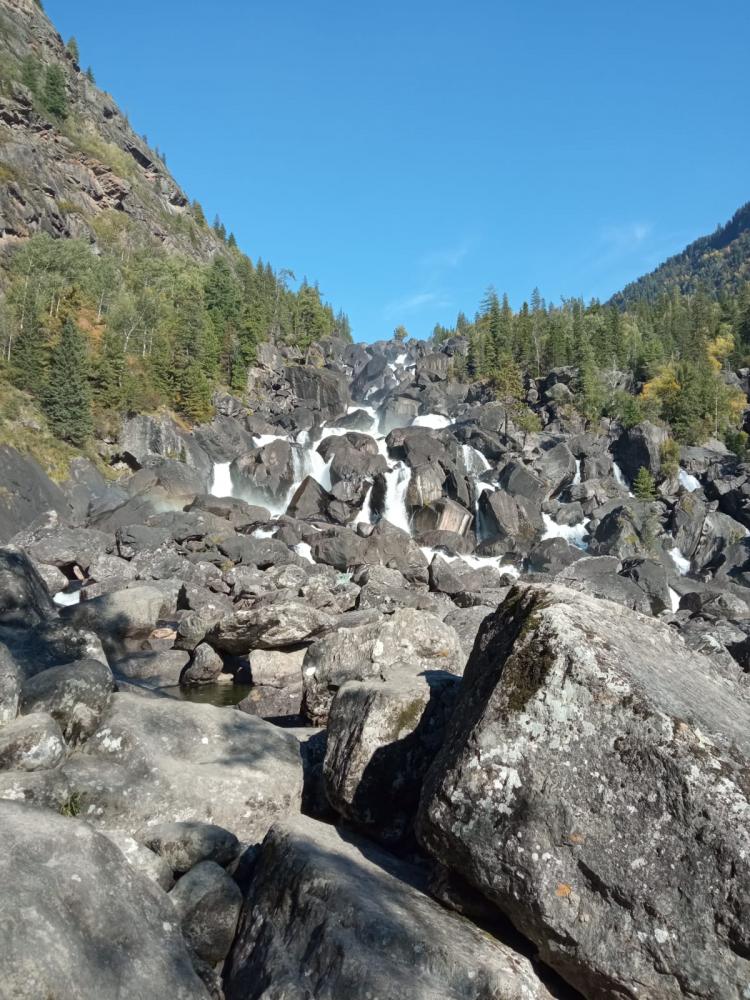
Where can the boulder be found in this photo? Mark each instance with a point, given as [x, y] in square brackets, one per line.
[142, 859]
[579, 727]
[329, 916]
[407, 643]
[310, 500]
[268, 471]
[184, 845]
[143, 437]
[640, 447]
[205, 666]
[24, 599]
[75, 694]
[270, 626]
[123, 615]
[31, 743]
[157, 760]
[557, 467]
[152, 669]
[79, 920]
[320, 390]
[382, 737]
[208, 905]
[27, 493]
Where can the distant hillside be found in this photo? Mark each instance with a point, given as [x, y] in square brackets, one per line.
[719, 263]
[68, 155]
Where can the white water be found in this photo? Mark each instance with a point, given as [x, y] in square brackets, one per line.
[681, 562]
[365, 514]
[473, 562]
[401, 360]
[474, 460]
[263, 533]
[315, 465]
[304, 549]
[221, 483]
[620, 478]
[674, 597]
[574, 534]
[435, 421]
[688, 481]
[397, 483]
[577, 476]
[264, 439]
[66, 599]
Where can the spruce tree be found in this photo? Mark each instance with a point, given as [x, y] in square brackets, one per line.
[72, 50]
[55, 92]
[67, 396]
[643, 484]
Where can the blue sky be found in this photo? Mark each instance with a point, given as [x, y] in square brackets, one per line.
[407, 155]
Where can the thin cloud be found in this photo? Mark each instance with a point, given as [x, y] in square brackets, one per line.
[413, 303]
[625, 238]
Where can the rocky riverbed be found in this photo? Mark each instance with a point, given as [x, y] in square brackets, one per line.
[360, 690]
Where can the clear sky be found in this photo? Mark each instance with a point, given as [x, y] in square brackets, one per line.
[408, 154]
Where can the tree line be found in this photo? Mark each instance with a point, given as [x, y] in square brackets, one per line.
[669, 359]
[129, 328]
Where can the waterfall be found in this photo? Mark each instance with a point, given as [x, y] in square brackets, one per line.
[681, 562]
[474, 460]
[574, 534]
[689, 482]
[365, 515]
[221, 482]
[674, 598]
[577, 476]
[397, 483]
[435, 421]
[472, 562]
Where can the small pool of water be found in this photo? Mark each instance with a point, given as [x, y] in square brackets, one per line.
[210, 694]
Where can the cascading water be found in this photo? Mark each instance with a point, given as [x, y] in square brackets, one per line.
[577, 476]
[619, 478]
[221, 482]
[574, 534]
[435, 421]
[397, 483]
[474, 460]
[690, 483]
[365, 514]
[681, 562]
[473, 562]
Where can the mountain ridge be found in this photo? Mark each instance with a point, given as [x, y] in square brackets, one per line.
[718, 263]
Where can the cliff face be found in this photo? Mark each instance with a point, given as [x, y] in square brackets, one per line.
[60, 173]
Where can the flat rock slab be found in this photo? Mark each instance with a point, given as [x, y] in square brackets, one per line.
[158, 760]
[330, 916]
[77, 920]
[594, 784]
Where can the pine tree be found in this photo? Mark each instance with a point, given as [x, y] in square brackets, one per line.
[29, 359]
[643, 484]
[55, 92]
[90, 75]
[109, 382]
[67, 396]
[30, 74]
[72, 50]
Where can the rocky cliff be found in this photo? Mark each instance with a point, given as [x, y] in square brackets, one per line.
[64, 173]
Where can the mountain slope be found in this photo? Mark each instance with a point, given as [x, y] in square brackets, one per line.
[68, 154]
[719, 263]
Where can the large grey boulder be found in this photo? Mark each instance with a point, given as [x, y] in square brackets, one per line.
[269, 626]
[330, 916]
[184, 845]
[407, 644]
[319, 389]
[27, 493]
[593, 784]
[31, 743]
[144, 437]
[208, 903]
[382, 737]
[640, 447]
[75, 694]
[122, 615]
[78, 921]
[24, 598]
[157, 760]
